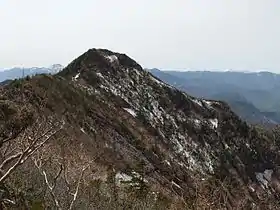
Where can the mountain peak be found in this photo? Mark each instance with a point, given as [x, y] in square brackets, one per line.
[100, 60]
[117, 58]
[55, 68]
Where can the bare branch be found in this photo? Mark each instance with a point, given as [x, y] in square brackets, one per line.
[23, 156]
[13, 136]
[12, 168]
[9, 159]
[9, 201]
[51, 188]
[6, 149]
[31, 151]
[6, 153]
[77, 188]
[57, 175]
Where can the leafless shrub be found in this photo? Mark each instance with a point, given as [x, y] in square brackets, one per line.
[20, 146]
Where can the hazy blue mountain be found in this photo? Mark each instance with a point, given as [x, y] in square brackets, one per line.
[5, 82]
[17, 72]
[245, 109]
[253, 96]
[262, 89]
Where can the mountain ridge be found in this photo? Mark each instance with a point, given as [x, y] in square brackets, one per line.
[124, 125]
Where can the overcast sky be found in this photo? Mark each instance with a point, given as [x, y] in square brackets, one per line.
[168, 34]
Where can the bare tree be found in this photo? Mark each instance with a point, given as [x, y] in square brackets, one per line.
[21, 145]
[52, 181]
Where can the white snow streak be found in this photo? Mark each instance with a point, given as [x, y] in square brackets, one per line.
[100, 75]
[157, 81]
[197, 122]
[112, 58]
[208, 103]
[76, 77]
[130, 111]
[264, 178]
[214, 122]
[168, 163]
[252, 189]
[197, 102]
[123, 177]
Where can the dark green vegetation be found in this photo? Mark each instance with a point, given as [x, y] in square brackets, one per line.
[253, 96]
[105, 134]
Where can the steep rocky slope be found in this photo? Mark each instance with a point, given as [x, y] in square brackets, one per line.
[124, 131]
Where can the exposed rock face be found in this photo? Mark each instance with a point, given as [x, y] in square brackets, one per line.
[121, 120]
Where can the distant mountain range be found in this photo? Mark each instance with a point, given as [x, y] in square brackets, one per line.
[18, 72]
[253, 96]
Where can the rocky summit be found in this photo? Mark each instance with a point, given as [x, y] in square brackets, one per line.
[116, 137]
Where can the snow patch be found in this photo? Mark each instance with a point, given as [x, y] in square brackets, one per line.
[154, 113]
[182, 147]
[209, 164]
[179, 146]
[130, 111]
[197, 122]
[170, 118]
[168, 163]
[182, 164]
[96, 91]
[82, 130]
[76, 77]
[264, 178]
[214, 123]
[197, 102]
[123, 177]
[181, 137]
[226, 146]
[248, 146]
[104, 87]
[191, 161]
[157, 81]
[137, 72]
[208, 103]
[117, 91]
[100, 75]
[112, 58]
[180, 117]
[157, 111]
[252, 189]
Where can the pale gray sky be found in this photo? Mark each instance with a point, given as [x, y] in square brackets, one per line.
[169, 34]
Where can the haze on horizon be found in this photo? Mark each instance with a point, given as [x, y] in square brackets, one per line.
[179, 34]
